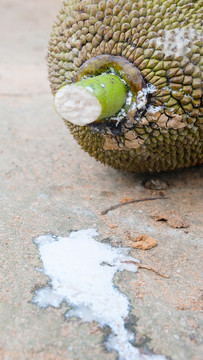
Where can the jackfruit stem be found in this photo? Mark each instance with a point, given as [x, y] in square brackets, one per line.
[91, 99]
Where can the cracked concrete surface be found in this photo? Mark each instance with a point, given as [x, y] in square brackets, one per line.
[49, 185]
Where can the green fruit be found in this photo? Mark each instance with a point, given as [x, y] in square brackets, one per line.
[155, 47]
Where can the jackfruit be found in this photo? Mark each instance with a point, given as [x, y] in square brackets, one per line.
[155, 48]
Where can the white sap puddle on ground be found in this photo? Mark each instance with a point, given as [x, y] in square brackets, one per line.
[81, 272]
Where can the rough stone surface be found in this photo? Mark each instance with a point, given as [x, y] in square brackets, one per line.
[49, 185]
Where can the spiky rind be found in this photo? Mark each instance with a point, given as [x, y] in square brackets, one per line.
[169, 150]
[163, 39]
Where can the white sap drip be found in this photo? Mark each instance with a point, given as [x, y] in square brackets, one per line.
[81, 272]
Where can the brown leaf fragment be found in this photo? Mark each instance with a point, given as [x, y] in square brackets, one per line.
[123, 200]
[174, 219]
[143, 242]
[155, 184]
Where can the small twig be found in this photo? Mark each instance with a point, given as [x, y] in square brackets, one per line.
[104, 212]
[147, 267]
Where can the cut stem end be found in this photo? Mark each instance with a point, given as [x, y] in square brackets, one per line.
[91, 99]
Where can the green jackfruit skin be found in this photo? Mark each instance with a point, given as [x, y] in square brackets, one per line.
[163, 39]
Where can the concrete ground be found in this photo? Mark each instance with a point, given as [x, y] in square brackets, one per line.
[49, 185]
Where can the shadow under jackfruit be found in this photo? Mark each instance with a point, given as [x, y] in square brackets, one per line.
[163, 40]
